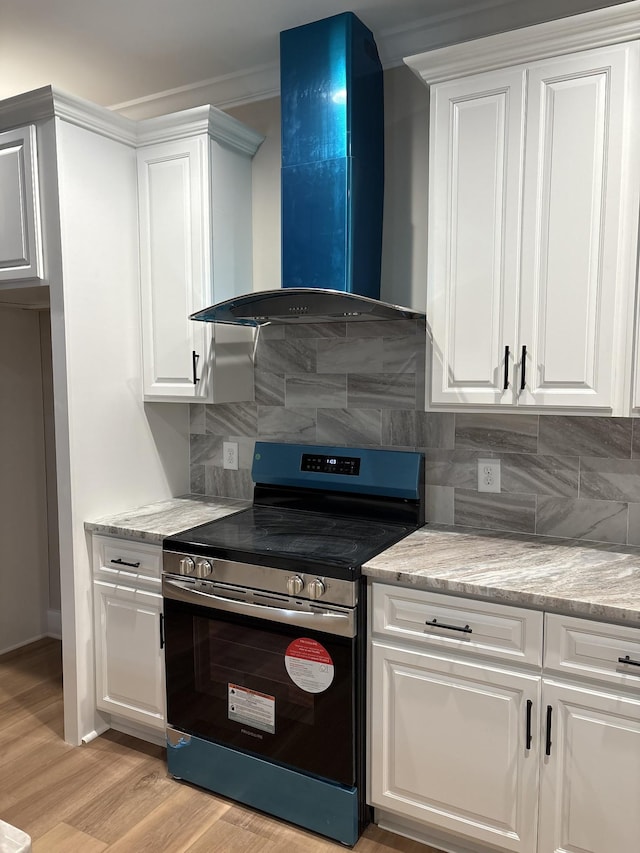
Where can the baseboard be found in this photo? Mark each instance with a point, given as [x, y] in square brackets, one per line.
[157, 736]
[23, 643]
[425, 834]
[54, 624]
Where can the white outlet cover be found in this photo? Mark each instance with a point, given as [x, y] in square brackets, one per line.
[230, 455]
[489, 475]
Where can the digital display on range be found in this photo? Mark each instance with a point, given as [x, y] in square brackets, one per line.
[324, 464]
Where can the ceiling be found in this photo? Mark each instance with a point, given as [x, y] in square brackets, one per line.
[125, 52]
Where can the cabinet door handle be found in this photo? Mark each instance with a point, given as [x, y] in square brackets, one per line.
[436, 624]
[529, 735]
[547, 749]
[628, 660]
[194, 366]
[162, 630]
[506, 368]
[523, 369]
[121, 562]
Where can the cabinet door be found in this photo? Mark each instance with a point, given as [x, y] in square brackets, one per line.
[579, 228]
[129, 658]
[474, 224]
[20, 238]
[175, 267]
[449, 746]
[590, 783]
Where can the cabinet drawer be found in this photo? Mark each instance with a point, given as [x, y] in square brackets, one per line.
[592, 649]
[446, 622]
[124, 561]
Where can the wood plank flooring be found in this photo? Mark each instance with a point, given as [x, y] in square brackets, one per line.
[114, 794]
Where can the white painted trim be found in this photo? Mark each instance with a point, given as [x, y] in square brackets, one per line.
[602, 27]
[54, 624]
[156, 736]
[195, 122]
[23, 643]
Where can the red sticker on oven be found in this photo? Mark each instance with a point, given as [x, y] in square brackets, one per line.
[309, 665]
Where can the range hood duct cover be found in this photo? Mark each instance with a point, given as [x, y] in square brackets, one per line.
[332, 182]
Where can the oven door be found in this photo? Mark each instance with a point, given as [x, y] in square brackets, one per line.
[266, 674]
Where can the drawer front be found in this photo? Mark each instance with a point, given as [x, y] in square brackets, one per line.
[123, 561]
[580, 647]
[451, 623]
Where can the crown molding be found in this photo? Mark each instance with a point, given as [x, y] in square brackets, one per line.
[599, 28]
[196, 121]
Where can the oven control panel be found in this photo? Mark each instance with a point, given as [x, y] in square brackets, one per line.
[328, 464]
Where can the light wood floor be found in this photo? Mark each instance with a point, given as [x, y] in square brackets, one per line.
[114, 793]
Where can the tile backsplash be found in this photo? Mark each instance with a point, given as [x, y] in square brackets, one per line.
[362, 384]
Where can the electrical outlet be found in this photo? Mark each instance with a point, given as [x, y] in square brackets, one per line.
[230, 455]
[488, 475]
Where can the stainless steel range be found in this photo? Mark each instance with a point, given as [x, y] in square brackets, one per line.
[264, 620]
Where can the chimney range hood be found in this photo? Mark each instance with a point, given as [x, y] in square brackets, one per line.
[332, 183]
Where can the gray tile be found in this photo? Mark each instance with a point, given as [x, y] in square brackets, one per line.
[289, 356]
[269, 388]
[499, 432]
[228, 484]
[350, 426]
[359, 356]
[271, 332]
[381, 390]
[382, 328]
[232, 419]
[609, 479]
[452, 468]
[435, 429]
[399, 428]
[276, 423]
[570, 435]
[495, 511]
[635, 438]
[315, 330]
[597, 521]
[196, 480]
[439, 504]
[317, 389]
[197, 422]
[633, 532]
[400, 354]
[205, 450]
[540, 475]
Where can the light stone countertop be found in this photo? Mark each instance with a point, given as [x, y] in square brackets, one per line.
[564, 576]
[151, 523]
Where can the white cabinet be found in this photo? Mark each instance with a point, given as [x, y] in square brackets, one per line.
[194, 188]
[466, 750]
[20, 230]
[533, 212]
[129, 631]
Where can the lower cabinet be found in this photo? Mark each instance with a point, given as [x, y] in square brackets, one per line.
[129, 632]
[473, 754]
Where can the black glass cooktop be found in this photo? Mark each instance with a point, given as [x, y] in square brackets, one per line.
[289, 538]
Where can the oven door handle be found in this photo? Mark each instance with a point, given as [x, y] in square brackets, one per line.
[329, 621]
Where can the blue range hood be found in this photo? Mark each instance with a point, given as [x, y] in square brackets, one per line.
[332, 182]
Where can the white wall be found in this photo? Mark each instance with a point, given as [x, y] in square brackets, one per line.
[113, 453]
[24, 577]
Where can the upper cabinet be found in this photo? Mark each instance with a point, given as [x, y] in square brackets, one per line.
[533, 219]
[20, 237]
[194, 189]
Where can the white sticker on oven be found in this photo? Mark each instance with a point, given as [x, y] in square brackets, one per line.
[309, 665]
[252, 708]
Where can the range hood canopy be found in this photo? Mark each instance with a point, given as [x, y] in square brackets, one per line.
[332, 181]
[302, 305]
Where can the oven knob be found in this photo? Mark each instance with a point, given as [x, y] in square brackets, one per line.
[316, 588]
[295, 585]
[186, 566]
[203, 569]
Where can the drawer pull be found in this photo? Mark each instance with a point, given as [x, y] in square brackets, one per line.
[121, 562]
[628, 660]
[529, 735]
[436, 624]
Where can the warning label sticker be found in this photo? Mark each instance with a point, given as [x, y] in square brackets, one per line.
[252, 708]
[309, 665]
